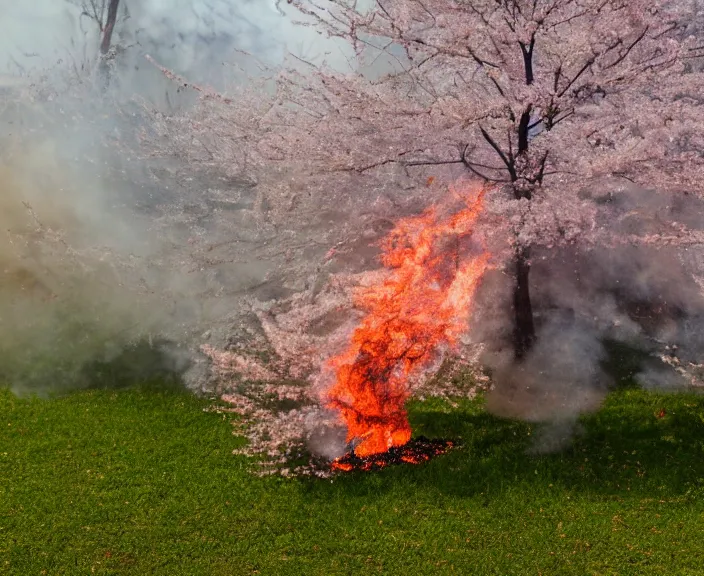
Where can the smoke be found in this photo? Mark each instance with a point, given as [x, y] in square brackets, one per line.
[325, 437]
[201, 39]
[623, 314]
[83, 295]
[98, 267]
[62, 303]
[35, 34]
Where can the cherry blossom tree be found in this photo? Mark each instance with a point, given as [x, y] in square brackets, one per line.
[537, 97]
[104, 14]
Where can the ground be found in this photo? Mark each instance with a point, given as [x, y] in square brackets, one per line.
[143, 481]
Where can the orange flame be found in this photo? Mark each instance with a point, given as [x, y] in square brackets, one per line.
[422, 306]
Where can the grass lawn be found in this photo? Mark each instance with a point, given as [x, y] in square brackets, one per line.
[143, 482]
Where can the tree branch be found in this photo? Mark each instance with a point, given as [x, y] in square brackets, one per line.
[627, 51]
[507, 162]
[541, 171]
[582, 70]
[558, 120]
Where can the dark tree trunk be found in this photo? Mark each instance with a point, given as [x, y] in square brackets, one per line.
[106, 41]
[524, 328]
[523, 130]
[109, 27]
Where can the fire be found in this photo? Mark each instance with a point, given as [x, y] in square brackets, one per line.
[416, 451]
[420, 308]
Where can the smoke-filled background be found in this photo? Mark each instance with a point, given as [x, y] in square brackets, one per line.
[98, 275]
[82, 278]
[198, 38]
[117, 265]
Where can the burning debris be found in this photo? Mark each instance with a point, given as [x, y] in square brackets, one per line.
[291, 434]
[413, 313]
[415, 451]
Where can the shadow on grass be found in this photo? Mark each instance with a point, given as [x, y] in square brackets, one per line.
[639, 444]
[155, 365]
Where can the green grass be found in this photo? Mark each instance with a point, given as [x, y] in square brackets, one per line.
[143, 482]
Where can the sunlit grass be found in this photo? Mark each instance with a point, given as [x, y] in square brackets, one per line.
[142, 481]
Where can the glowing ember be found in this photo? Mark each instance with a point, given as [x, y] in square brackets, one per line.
[420, 307]
[416, 451]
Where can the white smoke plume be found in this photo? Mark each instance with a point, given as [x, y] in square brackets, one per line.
[102, 246]
[628, 313]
